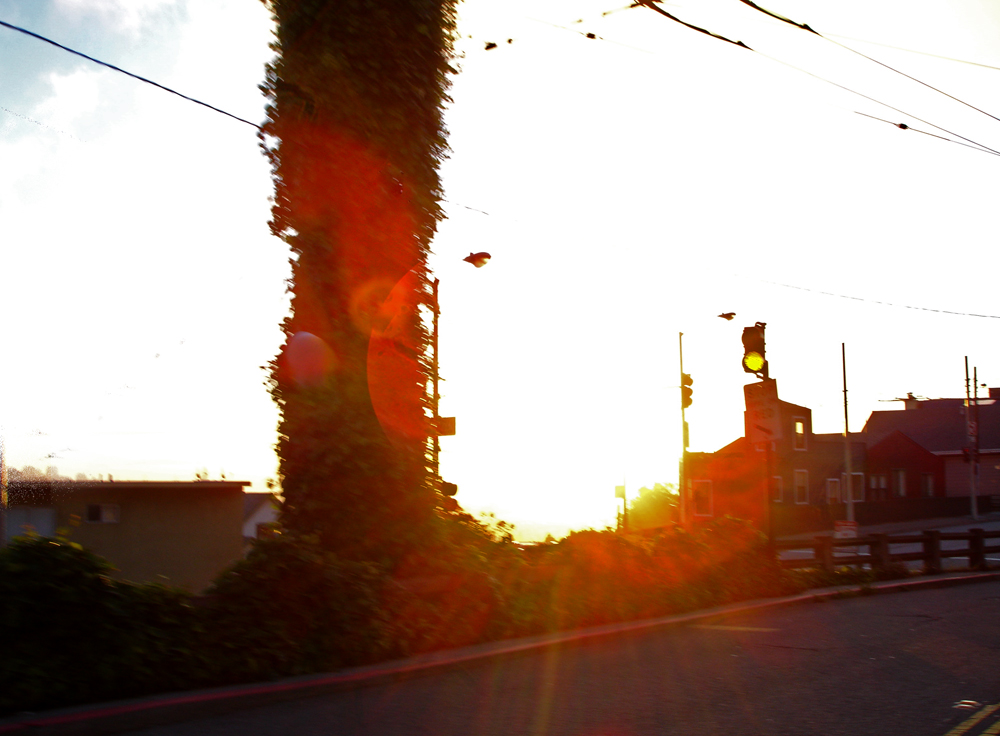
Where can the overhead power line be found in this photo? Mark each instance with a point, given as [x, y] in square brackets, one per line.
[818, 291]
[805, 27]
[465, 206]
[651, 4]
[914, 51]
[877, 301]
[585, 34]
[40, 124]
[127, 73]
[980, 146]
[904, 126]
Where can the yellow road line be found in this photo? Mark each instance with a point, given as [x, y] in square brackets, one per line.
[967, 725]
[720, 627]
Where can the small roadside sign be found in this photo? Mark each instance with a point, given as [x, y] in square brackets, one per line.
[763, 411]
[846, 530]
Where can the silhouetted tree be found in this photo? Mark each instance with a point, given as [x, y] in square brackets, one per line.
[355, 135]
[655, 507]
[30, 472]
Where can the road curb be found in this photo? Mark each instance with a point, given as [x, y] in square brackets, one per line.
[129, 715]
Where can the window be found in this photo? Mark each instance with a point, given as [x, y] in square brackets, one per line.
[801, 486]
[927, 485]
[833, 490]
[701, 493]
[858, 486]
[102, 513]
[877, 483]
[898, 482]
[778, 488]
[800, 432]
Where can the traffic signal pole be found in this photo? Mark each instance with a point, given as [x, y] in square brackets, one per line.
[755, 361]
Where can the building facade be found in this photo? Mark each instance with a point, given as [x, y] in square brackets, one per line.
[904, 465]
[177, 533]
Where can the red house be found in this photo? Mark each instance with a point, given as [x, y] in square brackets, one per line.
[806, 472]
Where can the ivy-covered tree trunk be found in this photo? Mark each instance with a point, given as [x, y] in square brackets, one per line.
[355, 136]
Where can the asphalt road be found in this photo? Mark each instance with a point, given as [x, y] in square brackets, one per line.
[886, 664]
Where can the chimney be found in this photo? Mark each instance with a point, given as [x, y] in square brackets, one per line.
[911, 402]
[995, 393]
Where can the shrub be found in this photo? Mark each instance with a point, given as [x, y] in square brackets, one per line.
[449, 592]
[291, 608]
[74, 635]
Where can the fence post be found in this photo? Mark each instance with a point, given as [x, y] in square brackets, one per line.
[932, 551]
[823, 552]
[977, 554]
[879, 549]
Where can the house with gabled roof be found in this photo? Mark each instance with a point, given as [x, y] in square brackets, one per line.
[941, 427]
[260, 514]
[182, 533]
[905, 465]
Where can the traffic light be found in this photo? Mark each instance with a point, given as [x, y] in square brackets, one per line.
[753, 350]
[686, 382]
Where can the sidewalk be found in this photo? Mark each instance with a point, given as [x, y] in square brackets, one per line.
[985, 521]
[104, 719]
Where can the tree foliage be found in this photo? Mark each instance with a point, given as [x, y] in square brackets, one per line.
[655, 507]
[355, 135]
[292, 607]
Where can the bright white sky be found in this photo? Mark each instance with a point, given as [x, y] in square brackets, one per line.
[629, 187]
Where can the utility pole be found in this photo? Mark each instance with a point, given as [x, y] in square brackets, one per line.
[681, 479]
[970, 428]
[975, 443]
[624, 507]
[847, 441]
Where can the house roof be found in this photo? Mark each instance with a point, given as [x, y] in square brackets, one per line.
[136, 485]
[22, 491]
[938, 425]
[838, 437]
[253, 501]
[894, 443]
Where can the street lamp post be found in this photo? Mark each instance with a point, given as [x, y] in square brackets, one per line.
[682, 480]
[442, 426]
[435, 394]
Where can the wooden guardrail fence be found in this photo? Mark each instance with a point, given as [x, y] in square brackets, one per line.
[880, 555]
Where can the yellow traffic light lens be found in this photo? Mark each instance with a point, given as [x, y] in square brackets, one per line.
[753, 362]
